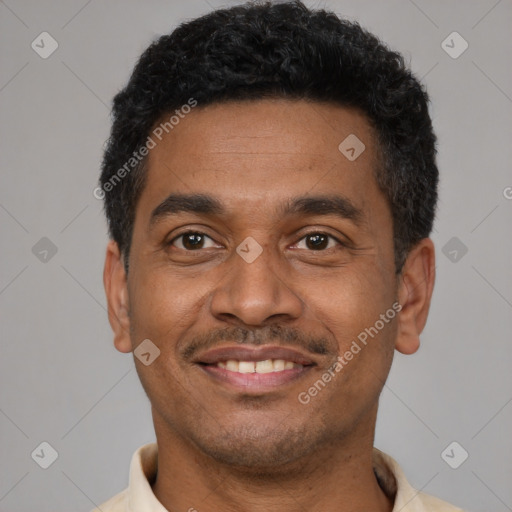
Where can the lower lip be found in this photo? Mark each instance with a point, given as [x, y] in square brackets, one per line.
[255, 382]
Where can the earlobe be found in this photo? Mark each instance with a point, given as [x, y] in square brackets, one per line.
[116, 289]
[415, 293]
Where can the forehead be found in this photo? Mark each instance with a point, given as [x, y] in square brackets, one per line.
[256, 153]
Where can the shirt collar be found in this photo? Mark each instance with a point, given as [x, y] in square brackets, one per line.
[143, 470]
[391, 479]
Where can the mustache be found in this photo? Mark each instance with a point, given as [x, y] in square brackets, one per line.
[275, 334]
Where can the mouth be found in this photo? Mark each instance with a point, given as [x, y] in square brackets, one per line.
[255, 369]
[266, 366]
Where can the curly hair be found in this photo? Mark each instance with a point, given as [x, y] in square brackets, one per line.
[279, 50]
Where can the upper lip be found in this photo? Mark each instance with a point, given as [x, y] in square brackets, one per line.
[260, 353]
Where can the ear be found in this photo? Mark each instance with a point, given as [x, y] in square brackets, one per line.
[116, 289]
[416, 283]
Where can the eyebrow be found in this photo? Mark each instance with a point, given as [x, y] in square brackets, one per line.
[203, 204]
[336, 205]
[186, 203]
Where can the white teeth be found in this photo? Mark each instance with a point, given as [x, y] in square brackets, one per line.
[246, 367]
[232, 365]
[279, 365]
[264, 366]
[267, 366]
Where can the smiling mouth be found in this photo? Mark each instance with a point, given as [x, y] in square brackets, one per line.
[255, 369]
[255, 377]
[266, 366]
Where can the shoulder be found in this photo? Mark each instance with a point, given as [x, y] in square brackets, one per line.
[406, 498]
[117, 503]
[435, 504]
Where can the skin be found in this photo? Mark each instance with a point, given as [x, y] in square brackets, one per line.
[221, 449]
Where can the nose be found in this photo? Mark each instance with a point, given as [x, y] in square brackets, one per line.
[255, 293]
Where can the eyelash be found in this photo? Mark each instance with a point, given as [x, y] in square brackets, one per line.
[195, 232]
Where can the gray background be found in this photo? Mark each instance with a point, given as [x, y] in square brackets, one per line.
[61, 380]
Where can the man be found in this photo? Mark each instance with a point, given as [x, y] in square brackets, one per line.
[270, 186]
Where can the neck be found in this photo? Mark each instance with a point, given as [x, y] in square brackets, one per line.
[337, 477]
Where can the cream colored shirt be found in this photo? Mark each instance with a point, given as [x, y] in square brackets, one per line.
[139, 497]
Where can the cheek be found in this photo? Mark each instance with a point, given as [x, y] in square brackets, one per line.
[163, 305]
[365, 341]
[350, 309]
[350, 302]
[164, 308]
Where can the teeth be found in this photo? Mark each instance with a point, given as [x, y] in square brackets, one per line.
[279, 365]
[232, 365]
[264, 366]
[246, 367]
[267, 366]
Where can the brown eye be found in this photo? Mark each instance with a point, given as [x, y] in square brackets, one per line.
[191, 241]
[318, 241]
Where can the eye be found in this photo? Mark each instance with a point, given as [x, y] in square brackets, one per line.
[192, 240]
[318, 242]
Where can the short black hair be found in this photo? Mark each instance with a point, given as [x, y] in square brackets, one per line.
[278, 50]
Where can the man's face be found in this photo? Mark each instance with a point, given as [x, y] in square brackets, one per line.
[271, 267]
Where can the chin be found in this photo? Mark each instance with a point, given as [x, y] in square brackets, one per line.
[256, 451]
